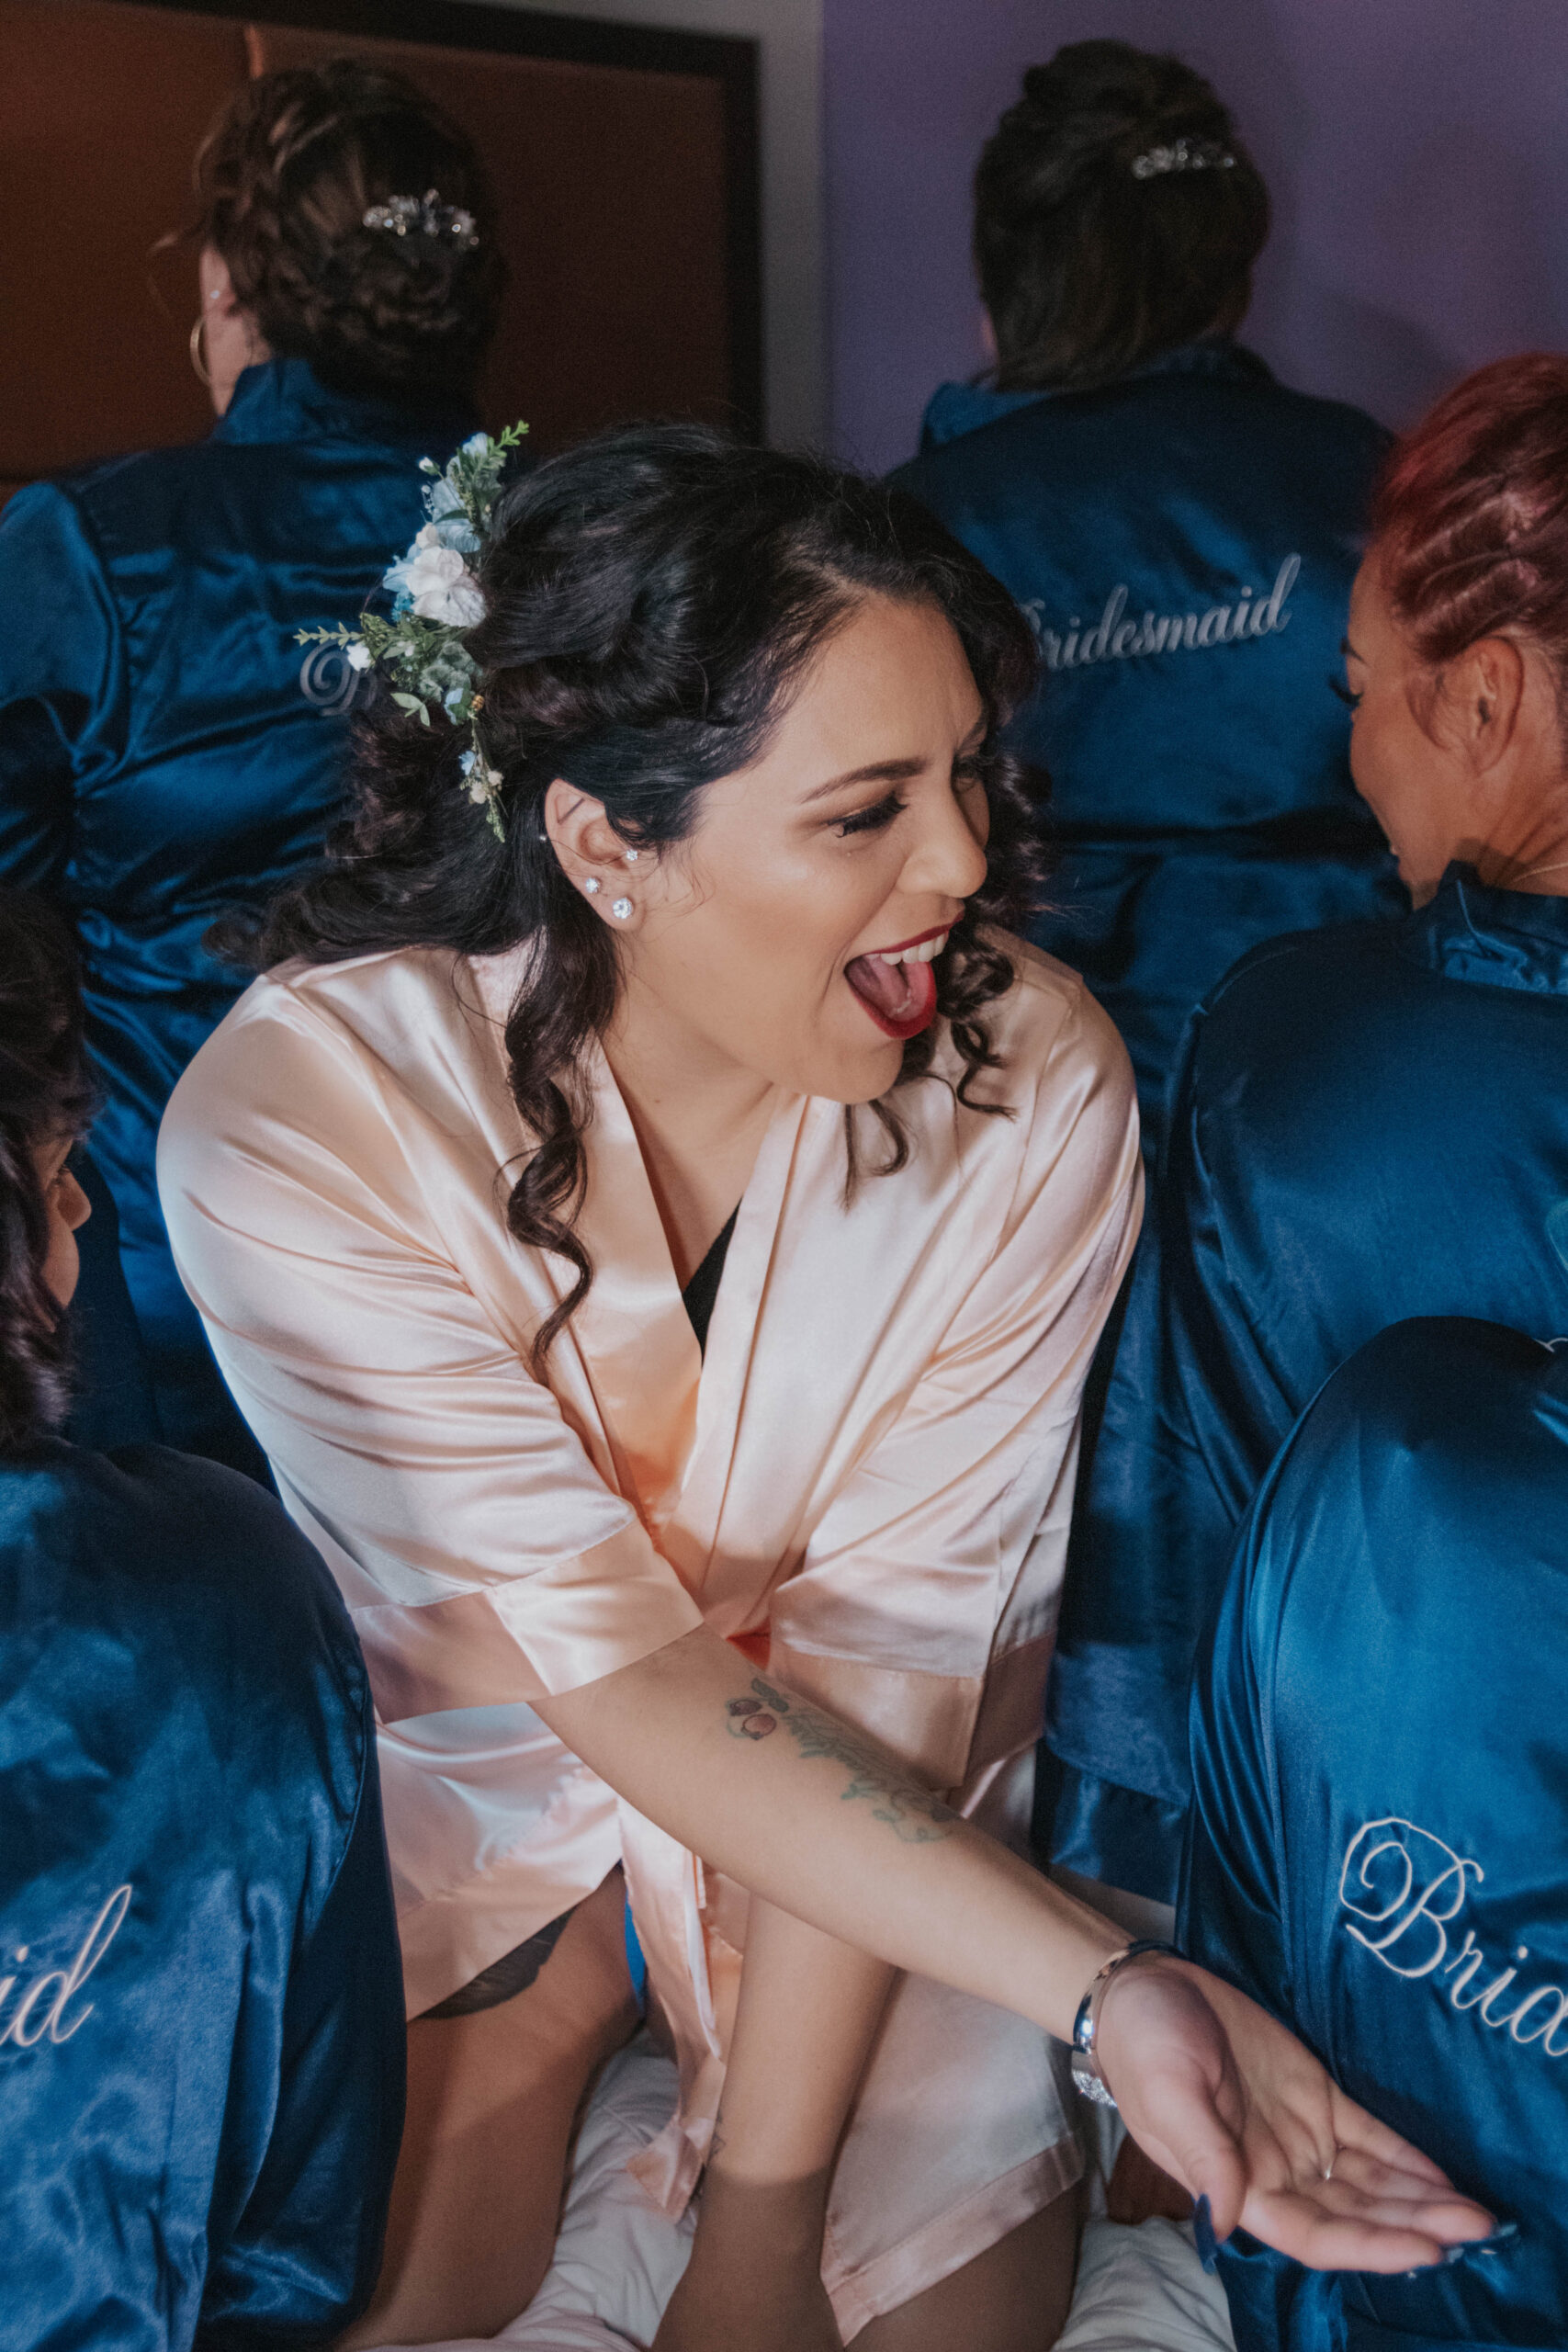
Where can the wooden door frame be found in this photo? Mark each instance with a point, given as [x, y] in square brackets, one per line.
[730, 59]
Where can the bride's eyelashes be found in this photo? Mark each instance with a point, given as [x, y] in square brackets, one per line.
[967, 773]
[880, 814]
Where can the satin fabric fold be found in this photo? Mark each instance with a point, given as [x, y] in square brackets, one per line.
[1380, 1762]
[170, 754]
[201, 2043]
[871, 1470]
[1366, 1125]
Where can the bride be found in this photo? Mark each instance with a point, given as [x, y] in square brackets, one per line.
[657, 1219]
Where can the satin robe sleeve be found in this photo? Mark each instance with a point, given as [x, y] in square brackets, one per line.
[484, 1559]
[930, 1587]
[62, 679]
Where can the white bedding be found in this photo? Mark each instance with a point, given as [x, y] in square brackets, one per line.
[617, 2260]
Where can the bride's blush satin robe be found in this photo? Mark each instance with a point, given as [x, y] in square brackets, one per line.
[871, 1473]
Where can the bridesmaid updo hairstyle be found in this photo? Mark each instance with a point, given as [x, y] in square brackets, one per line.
[44, 1094]
[653, 598]
[283, 181]
[1470, 522]
[1087, 267]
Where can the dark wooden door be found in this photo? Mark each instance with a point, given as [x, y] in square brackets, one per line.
[625, 161]
[612, 185]
[101, 111]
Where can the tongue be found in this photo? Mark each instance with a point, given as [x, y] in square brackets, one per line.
[899, 992]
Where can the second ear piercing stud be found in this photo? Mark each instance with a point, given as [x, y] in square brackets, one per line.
[592, 886]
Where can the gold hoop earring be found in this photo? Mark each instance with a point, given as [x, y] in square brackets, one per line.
[197, 349]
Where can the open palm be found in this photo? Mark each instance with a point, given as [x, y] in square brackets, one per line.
[1237, 2110]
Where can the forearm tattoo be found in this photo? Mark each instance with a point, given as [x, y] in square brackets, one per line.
[912, 1813]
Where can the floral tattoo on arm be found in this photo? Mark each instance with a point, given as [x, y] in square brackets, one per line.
[912, 1813]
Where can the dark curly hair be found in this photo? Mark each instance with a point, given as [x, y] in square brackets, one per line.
[653, 596]
[1087, 270]
[283, 181]
[44, 1094]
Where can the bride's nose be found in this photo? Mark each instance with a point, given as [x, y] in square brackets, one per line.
[948, 857]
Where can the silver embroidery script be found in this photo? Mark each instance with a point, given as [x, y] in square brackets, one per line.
[328, 680]
[41, 2006]
[1115, 638]
[1404, 1889]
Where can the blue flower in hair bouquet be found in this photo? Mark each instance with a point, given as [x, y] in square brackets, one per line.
[436, 599]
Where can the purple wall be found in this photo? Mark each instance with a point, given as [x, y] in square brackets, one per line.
[1417, 151]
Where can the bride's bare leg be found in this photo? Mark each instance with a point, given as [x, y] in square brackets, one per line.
[1012, 2298]
[492, 2099]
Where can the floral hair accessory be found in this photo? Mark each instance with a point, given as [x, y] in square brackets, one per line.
[424, 216]
[436, 600]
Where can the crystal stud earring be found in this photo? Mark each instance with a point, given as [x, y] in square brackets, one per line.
[592, 886]
[620, 909]
[632, 856]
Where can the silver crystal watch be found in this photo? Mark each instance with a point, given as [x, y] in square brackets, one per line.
[1087, 2073]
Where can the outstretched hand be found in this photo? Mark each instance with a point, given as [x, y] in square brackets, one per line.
[1235, 2109]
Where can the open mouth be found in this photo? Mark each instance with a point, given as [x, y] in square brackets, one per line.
[898, 985]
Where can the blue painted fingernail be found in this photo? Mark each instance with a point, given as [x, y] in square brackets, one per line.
[1499, 2238]
[1203, 2235]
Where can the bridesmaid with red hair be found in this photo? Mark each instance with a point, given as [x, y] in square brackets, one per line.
[1370, 1122]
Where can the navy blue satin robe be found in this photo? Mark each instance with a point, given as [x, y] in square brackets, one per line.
[169, 755]
[1367, 1124]
[1380, 1763]
[1183, 542]
[201, 2031]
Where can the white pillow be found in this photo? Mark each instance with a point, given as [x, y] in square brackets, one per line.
[617, 2261]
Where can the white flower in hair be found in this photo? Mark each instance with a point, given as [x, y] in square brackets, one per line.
[436, 582]
[435, 598]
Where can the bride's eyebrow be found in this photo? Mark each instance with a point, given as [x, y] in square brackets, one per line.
[891, 771]
[876, 772]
